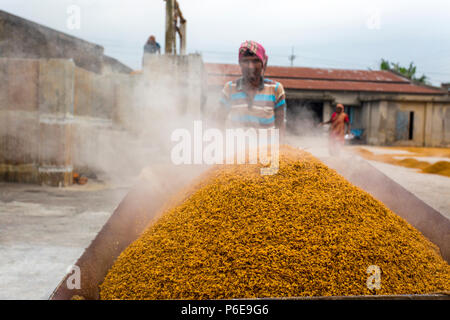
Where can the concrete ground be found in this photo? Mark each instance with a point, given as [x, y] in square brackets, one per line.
[44, 230]
[433, 189]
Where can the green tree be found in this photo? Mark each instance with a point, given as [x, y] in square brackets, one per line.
[409, 72]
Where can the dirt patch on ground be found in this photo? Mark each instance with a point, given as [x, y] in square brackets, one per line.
[441, 167]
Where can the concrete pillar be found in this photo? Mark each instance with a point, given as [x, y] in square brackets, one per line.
[56, 109]
[391, 123]
[327, 110]
[382, 122]
[428, 124]
[365, 120]
[444, 123]
[374, 118]
[370, 120]
[18, 120]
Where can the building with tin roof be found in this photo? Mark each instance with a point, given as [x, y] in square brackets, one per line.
[385, 108]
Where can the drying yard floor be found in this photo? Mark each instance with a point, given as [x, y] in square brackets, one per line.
[44, 230]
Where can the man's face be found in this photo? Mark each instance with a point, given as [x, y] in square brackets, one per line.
[338, 110]
[251, 68]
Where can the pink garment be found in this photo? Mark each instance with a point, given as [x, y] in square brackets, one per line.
[256, 49]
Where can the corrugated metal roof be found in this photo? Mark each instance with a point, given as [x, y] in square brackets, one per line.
[324, 79]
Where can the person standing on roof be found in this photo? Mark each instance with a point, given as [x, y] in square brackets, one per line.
[339, 119]
[253, 101]
[152, 46]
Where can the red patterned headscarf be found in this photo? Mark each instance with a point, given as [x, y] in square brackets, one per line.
[255, 48]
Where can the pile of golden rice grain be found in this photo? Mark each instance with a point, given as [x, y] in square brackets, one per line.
[305, 231]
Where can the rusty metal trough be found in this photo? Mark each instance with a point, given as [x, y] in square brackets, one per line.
[145, 200]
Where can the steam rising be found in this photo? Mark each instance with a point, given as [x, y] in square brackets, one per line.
[116, 127]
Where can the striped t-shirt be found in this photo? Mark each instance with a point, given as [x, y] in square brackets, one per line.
[261, 114]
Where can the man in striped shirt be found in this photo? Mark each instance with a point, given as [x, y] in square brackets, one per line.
[253, 101]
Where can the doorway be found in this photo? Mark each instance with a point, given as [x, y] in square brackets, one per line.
[303, 116]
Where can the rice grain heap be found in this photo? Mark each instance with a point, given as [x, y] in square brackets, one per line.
[305, 231]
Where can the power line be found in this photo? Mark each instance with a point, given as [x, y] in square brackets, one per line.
[438, 73]
[126, 50]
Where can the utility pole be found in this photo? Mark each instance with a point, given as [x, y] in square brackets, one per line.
[175, 23]
[170, 27]
[292, 57]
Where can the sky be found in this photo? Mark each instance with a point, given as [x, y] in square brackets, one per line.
[345, 34]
